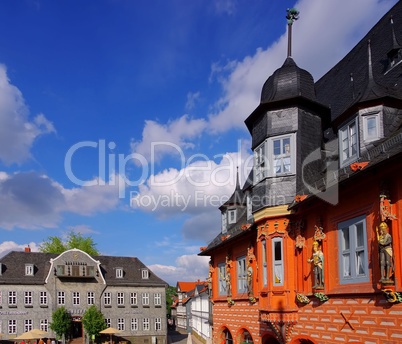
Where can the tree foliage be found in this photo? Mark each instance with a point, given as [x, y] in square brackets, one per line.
[61, 321]
[170, 296]
[54, 244]
[93, 321]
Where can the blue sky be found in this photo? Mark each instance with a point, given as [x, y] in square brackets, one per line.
[124, 120]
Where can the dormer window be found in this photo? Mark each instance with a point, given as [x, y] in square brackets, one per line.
[119, 273]
[145, 273]
[232, 216]
[348, 142]
[29, 270]
[371, 126]
[224, 222]
[249, 208]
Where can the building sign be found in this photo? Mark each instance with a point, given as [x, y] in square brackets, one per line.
[13, 312]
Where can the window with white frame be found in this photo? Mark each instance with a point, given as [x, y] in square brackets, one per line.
[12, 298]
[133, 299]
[224, 222]
[145, 299]
[44, 325]
[260, 168]
[28, 325]
[119, 273]
[91, 298]
[61, 298]
[371, 126]
[76, 297]
[120, 324]
[12, 326]
[231, 216]
[157, 299]
[348, 141]
[144, 273]
[249, 207]
[120, 299]
[145, 324]
[28, 298]
[107, 299]
[241, 275]
[134, 324]
[29, 269]
[353, 252]
[108, 322]
[158, 324]
[264, 263]
[282, 155]
[222, 278]
[277, 260]
[43, 298]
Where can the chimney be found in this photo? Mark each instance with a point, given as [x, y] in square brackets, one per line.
[27, 249]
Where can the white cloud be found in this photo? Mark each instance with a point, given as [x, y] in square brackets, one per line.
[190, 268]
[33, 201]
[17, 133]
[8, 246]
[176, 134]
[192, 99]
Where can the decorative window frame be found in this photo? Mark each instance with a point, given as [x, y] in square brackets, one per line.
[12, 298]
[91, 298]
[158, 324]
[29, 269]
[157, 299]
[120, 298]
[278, 269]
[121, 325]
[75, 298]
[371, 116]
[133, 298]
[12, 326]
[351, 254]
[145, 299]
[107, 299]
[222, 279]
[241, 274]
[119, 273]
[28, 299]
[146, 324]
[232, 216]
[144, 273]
[134, 324]
[224, 222]
[264, 262]
[43, 299]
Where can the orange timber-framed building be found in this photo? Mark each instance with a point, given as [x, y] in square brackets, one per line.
[310, 248]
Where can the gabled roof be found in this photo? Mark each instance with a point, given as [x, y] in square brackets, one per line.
[13, 269]
[185, 287]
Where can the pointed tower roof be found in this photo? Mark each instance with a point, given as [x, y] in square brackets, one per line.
[237, 198]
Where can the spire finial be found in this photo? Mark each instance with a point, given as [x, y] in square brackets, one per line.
[291, 16]
[370, 66]
[237, 178]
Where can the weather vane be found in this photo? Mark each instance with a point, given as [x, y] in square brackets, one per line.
[291, 16]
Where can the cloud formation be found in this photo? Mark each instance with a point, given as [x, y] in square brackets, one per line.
[17, 132]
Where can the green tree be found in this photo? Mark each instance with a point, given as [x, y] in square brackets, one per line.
[93, 321]
[170, 295]
[54, 244]
[61, 322]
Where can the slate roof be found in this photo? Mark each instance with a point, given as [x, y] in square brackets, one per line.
[13, 269]
[348, 81]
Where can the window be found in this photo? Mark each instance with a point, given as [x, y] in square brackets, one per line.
[277, 259]
[108, 322]
[348, 140]
[158, 324]
[260, 171]
[134, 324]
[222, 278]
[107, 299]
[12, 298]
[28, 298]
[249, 207]
[145, 324]
[232, 216]
[44, 325]
[145, 273]
[43, 298]
[28, 325]
[264, 263]
[29, 270]
[353, 253]
[120, 299]
[119, 273]
[241, 275]
[12, 326]
[282, 155]
[76, 298]
[145, 299]
[133, 299]
[61, 298]
[275, 157]
[371, 127]
[157, 299]
[224, 222]
[91, 298]
[120, 324]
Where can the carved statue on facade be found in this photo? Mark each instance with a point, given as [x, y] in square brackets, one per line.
[209, 279]
[386, 254]
[228, 278]
[318, 266]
